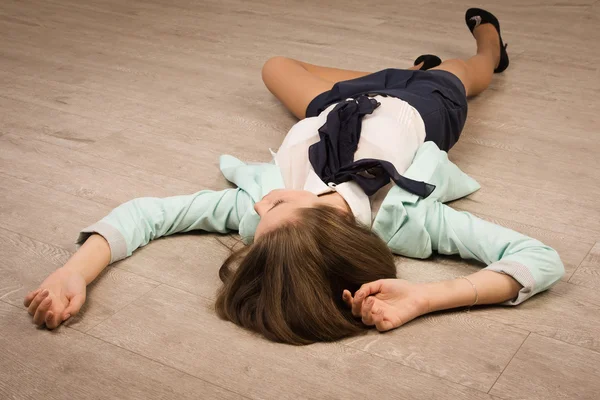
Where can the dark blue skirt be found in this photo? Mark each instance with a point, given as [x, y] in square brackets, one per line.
[439, 96]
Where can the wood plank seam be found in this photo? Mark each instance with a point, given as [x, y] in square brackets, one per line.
[582, 261]
[546, 336]
[508, 363]
[95, 166]
[120, 308]
[427, 373]
[163, 364]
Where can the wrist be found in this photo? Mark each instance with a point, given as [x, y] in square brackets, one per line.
[448, 294]
[422, 297]
[71, 268]
[90, 259]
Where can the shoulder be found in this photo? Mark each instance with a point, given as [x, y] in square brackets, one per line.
[256, 179]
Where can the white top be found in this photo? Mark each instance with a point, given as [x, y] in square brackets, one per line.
[393, 132]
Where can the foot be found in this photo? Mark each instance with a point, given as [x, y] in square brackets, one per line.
[427, 61]
[488, 42]
[477, 18]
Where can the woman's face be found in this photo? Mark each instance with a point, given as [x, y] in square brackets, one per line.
[281, 206]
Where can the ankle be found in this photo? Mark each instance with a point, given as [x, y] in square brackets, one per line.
[491, 54]
[486, 31]
[488, 42]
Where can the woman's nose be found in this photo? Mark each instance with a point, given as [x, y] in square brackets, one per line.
[259, 207]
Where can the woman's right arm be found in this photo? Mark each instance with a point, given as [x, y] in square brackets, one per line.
[126, 228]
[62, 294]
[135, 223]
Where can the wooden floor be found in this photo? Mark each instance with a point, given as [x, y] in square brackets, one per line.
[102, 101]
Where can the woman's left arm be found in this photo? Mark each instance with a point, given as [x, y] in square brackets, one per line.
[390, 303]
[507, 253]
[518, 267]
[482, 287]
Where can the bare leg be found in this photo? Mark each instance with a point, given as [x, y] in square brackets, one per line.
[476, 73]
[337, 75]
[332, 74]
[293, 84]
[296, 83]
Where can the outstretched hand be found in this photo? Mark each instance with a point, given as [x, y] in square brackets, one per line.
[388, 303]
[59, 297]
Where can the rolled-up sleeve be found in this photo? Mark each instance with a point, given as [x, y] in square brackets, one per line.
[531, 263]
[135, 223]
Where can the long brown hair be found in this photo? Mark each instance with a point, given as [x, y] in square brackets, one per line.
[288, 284]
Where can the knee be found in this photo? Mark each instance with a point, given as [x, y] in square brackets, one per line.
[273, 66]
[460, 69]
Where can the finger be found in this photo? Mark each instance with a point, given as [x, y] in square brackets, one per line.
[365, 290]
[382, 316]
[75, 304]
[52, 320]
[40, 314]
[367, 311]
[369, 289]
[377, 316]
[35, 303]
[357, 301]
[347, 297]
[30, 296]
[385, 318]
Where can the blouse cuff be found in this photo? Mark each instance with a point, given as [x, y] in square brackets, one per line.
[116, 241]
[521, 274]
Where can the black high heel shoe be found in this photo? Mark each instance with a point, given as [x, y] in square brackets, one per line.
[475, 17]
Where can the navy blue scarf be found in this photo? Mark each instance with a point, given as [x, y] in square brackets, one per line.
[332, 157]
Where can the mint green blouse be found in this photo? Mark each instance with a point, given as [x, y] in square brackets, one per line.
[411, 226]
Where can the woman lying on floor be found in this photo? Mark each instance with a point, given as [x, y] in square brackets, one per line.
[364, 173]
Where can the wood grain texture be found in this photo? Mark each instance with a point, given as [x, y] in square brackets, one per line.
[104, 100]
[567, 312]
[180, 330]
[588, 273]
[47, 124]
[423, 345]
[47, 215]
[25, 262]
[51, 365]
[434, 268]
[505, 196]
[82, 175]
[550, 369]
[188, 262]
